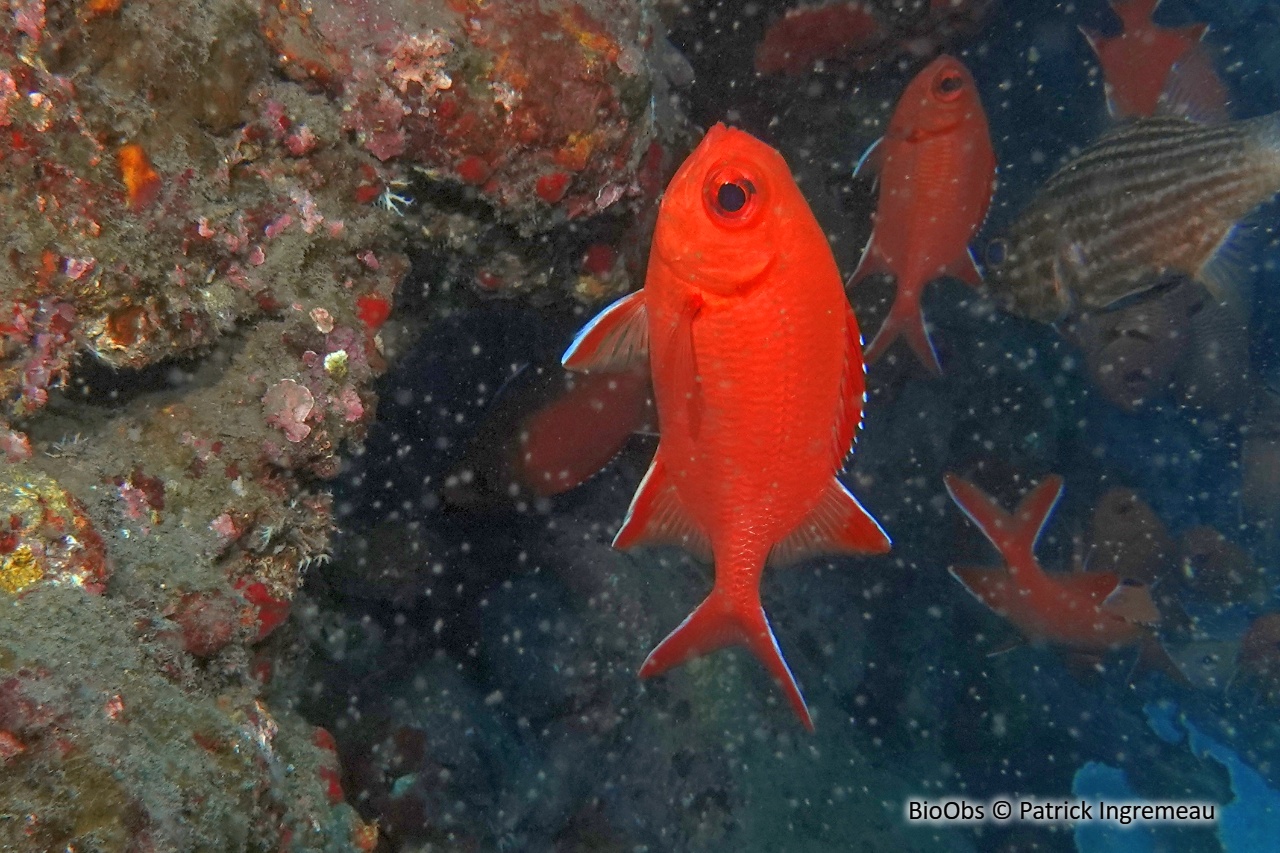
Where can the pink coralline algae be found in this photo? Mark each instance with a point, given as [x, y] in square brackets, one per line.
[511, 97]
[288, 405]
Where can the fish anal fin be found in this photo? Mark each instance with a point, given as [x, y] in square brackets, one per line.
[966, 269]
[836, 525]
[995, 588]
[616, 340]
[657, 517]
[873, 262]
[721, 621]
[1132, 602]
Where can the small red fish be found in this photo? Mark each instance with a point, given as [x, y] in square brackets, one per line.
[1085, 612]
[808, 34]
[757, 373]
[1148, 66]
[548, 432]
[937, 174]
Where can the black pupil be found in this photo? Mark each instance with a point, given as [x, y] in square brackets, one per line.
[731, 197]
[950, 84]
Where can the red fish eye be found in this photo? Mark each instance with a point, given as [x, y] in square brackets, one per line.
[730, 195]
[948, 85]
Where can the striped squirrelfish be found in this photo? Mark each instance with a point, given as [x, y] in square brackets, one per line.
[937, 174]
[756, 362]
[1153, 199]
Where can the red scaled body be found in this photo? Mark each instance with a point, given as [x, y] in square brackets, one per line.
[758, 378]
[937, 173]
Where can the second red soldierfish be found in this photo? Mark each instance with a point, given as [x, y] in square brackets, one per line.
[1148, 66]
[756, 361]
[937, 174]
[1087, 613]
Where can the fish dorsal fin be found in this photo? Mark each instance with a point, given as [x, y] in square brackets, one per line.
[656, 516]
[837, 525]
[871, 160]
[1132, 602]
[1014, 535]
[617, 339]
[995, 588]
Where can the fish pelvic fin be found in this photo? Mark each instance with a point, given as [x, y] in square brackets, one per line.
[657, 517]
[838, 524]
[905, 320]
[1152, 656]
[1014, 535]
[966, 269]
[616, 340]
[723, 620]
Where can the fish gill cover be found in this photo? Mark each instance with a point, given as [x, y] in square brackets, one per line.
[305, 532]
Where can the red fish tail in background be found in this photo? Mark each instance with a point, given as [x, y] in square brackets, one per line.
[1149, 69]
[937, 175]
[1013, 534]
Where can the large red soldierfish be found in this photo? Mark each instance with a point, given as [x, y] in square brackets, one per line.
[937, 174]
[757, 374]
[1086, 613]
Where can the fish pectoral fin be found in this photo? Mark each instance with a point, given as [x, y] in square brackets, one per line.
[657, 517]
[616, 340]
[966, 269]
[836, 525]
[683, 359]
[721, 621]
[1132, 602]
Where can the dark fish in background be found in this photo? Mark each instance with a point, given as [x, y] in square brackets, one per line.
[1155, 197]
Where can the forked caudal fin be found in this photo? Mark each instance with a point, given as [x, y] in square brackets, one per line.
[1013, 534]
[718, 622]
